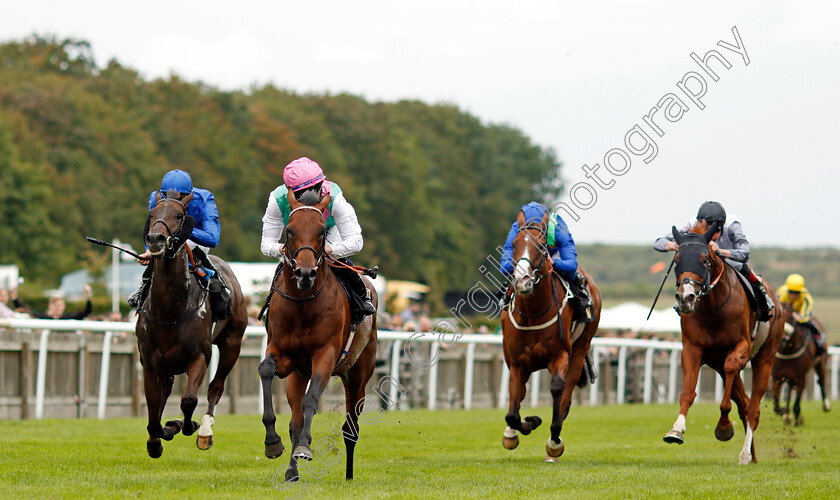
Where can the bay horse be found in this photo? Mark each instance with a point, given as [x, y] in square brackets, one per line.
[538, 333]
[796, 357]
[310, 339]
[175, 329]
[716, 322]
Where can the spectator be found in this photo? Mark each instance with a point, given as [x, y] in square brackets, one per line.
[5, 310]
[55, 309]
[414, 309]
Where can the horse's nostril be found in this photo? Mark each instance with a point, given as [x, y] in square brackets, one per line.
[313, 274]
[298, 273]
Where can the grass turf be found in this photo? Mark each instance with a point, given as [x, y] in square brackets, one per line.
[611, 452]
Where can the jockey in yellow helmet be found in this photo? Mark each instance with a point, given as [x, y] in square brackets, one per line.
[793, 292]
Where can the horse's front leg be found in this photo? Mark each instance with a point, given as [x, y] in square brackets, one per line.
[819, 369]
[196, 370]
[273, 442]
[518, 379]
[559, 368]
[322, 367]
[761, 365]
[732, 366]
[798, 419]
[691, 370]
[776, 389]
[295, 391]
[157, 390]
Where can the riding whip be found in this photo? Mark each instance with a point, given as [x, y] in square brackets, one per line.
[660, 287]
[105, 243]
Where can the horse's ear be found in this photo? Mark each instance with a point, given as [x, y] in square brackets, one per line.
[711, 232]
[323, 204]
[187, 199]
[293, 202]
[158, 196]
[677, 236]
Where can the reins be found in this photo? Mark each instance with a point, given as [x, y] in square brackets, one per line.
[190, 313]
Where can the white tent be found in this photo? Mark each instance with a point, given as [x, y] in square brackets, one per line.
[632, 316]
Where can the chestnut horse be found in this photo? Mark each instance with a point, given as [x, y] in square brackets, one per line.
[717, 321]
[796, 357]
[539, 333]
[175, 329]
[309, 338]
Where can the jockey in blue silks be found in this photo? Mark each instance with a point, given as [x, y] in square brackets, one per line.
[561, 248]
[204, 236]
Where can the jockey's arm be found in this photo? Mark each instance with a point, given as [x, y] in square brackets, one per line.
[349, 241]
[740, 251]
[665, 244]
[804, 310]
[565, 261]
[272, 229]
[207, 230]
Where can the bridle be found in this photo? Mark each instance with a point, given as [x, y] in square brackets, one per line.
[535, 274]
[172, 241]
[291, 259]
[707, 285]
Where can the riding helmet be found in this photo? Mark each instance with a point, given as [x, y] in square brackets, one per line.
[795, 283]
[178, 180]
[712, 211]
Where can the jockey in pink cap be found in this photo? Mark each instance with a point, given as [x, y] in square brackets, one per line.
[344, 235]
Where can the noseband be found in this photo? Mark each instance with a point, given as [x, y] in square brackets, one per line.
[291, 259]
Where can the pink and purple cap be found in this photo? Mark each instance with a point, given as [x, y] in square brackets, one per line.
[302, 173]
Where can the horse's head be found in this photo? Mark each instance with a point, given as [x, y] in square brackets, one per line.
[693, 262]
[168, 225]
[306, 230]
[530, 254]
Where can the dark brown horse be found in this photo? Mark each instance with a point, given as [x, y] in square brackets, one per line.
[175, 329]
[310, 340]
[538, 333]
[717, 323]
[796, 357]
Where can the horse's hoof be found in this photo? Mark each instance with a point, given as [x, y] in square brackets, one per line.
[826, 405]
[674, 436]
[724, 433]
[744, 458]
[204, 442]
[190, 428]
[274, 450]
[292, 475]
[534, 422]
[800, 420]
[155, 448]
[171, 428]
[786, 418]
[302, 453]
[554, 450]
[510, 439]
[551, 460]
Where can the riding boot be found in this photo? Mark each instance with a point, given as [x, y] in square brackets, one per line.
[220, 300]
[138, 297]
[507, 295]
[359, 288]
[765, 304]
[819, 339]
[584, 300]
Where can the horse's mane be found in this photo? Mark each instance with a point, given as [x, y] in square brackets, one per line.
[701, 226]
[309, 197]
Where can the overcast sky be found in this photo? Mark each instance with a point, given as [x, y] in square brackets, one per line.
[574, 76]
